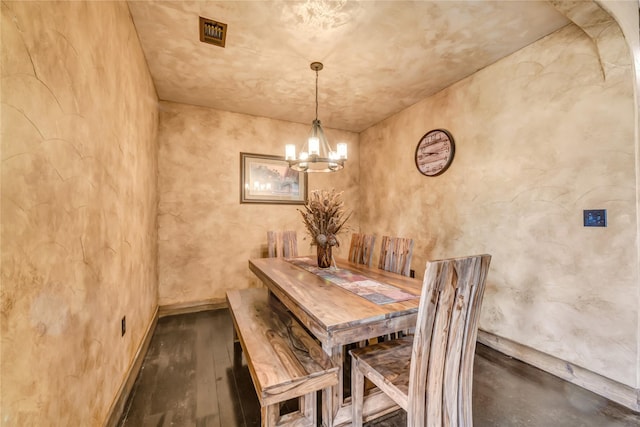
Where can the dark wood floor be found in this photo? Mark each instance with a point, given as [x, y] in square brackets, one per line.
[189, 379]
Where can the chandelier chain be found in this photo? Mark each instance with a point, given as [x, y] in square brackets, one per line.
[316, 94]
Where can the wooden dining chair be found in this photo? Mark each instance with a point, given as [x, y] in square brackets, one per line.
[430, 374]
[361, 249]
[282, 244]
[395, 255]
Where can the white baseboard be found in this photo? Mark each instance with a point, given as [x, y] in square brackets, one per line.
[606, 387]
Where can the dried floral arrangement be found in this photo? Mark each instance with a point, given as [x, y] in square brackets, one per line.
[324, 216]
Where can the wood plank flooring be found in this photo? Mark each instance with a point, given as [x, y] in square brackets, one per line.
[190, 378]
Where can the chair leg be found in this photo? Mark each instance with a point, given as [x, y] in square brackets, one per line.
[357, 393]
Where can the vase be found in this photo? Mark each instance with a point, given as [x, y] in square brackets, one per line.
[324, 256]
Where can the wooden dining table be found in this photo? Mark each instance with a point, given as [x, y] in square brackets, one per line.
[342, 306]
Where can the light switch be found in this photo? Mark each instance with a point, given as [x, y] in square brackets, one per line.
[595, 218]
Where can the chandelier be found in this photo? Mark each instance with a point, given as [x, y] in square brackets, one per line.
[316, 155]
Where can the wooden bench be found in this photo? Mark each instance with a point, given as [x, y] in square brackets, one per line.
[285, 362]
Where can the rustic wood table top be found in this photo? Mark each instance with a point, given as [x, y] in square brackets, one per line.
[337, 316]
[330, 307]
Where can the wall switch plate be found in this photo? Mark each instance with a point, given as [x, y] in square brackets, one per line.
[595, 218]
[123, 325]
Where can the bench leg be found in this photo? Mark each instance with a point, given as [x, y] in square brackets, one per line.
[237, 350]
[270, 415]
[235, 336]
[306, 411]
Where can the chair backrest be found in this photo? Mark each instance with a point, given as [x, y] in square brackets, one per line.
[361, 249]
[395, 255]
[444, 344]
[282, 243]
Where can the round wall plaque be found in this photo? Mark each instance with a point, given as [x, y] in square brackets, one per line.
[434, 152]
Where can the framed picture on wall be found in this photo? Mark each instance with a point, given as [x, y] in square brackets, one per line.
[268, 179]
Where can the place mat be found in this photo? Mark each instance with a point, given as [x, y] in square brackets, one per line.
[376, 292]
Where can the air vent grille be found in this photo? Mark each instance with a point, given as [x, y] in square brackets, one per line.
[213, 32]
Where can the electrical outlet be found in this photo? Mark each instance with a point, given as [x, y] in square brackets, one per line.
[123, 325]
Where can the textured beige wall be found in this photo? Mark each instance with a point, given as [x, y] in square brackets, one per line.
[79, 196]
[540, 136]
[627, 17]
[205, 235]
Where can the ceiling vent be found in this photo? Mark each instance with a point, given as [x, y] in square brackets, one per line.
[213, 32]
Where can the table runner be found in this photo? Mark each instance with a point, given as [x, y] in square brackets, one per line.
[376, 292]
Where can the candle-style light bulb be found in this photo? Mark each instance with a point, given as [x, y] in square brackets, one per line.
[290, 152]
[342, 150]
[314, 146]
[304, 156]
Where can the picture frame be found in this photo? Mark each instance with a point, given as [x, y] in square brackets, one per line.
[268, 179]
